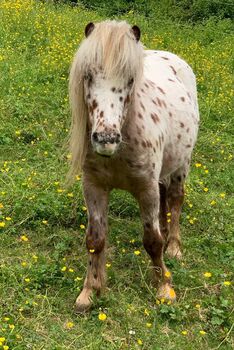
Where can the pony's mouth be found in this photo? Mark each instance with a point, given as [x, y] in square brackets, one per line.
[103, 155]
[105, 150]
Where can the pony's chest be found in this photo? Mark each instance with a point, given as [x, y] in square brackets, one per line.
[120, 172]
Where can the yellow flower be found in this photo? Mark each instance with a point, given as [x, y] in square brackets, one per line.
[17, 132]
[45, 222]
[1, 206]
[226, 283]
[167, 274]
[207, 274]
[137, 252]
[213, 202]
[24, 263]
[168, 214]
[206, 171]
[202, 332]
[8, 218]
[197, 306]
[27, 279]
[222, 195]
[24, 238]
[78, 178]
[2, 224]
[69, 325]
[184, 332]
[78, 278]
[84, 208]
[148, 325]
[108, 265]
[205, 189]
[82, 227]
[172, 293]
[198, 165]
[71, 270]
[11, 326]
[5, 347]
[70, 195]
[91, 250]
[146, 312]
[2, 339]
[63, 268]
[139, 341]
[102, 316]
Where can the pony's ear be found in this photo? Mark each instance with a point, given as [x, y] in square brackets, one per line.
[136, 32]
[89, 28]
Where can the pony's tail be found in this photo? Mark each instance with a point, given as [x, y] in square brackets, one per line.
[78, 130]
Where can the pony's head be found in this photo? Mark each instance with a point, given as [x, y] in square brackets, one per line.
[104, 73]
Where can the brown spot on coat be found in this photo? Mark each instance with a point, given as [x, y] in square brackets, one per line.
[94, 104]
[161, 90]
[143, 144]
[142, 106]
[182, 99]
[182, 125]
[173, 69]
[159, 102]
[155, 118]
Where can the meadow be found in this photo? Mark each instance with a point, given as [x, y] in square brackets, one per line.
[42, 222]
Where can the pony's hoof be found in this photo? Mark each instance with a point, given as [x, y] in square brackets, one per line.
[173, 251]
[83, 302]
[165, 291]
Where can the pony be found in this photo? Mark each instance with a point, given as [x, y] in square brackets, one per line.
[134, 125]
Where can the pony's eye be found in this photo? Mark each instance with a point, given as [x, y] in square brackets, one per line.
[88, 76]
[130, 82]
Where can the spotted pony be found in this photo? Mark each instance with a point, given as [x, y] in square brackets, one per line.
[134, 125]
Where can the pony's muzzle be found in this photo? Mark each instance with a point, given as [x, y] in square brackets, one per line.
[106, 143]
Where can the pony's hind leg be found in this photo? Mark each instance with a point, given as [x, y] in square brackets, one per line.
[97, 201]
[154, 241]
[175, 197]
[164, 209]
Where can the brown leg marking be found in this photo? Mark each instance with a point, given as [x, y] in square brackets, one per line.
[153, 240]
[97, 202]
[164, 209]
[175, 201]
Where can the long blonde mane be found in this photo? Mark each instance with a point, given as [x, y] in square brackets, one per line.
[113, 47]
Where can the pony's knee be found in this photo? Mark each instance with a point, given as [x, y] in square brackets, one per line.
[95, 239]
[153, 240]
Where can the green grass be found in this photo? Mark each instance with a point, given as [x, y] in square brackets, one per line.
[37, 43]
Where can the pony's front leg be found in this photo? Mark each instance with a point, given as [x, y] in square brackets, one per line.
[97, 202]
[154, 241]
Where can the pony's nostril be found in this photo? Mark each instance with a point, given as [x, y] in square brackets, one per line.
[118, 138]
[95, 136]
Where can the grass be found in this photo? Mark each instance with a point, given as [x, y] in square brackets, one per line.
[42, 224]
